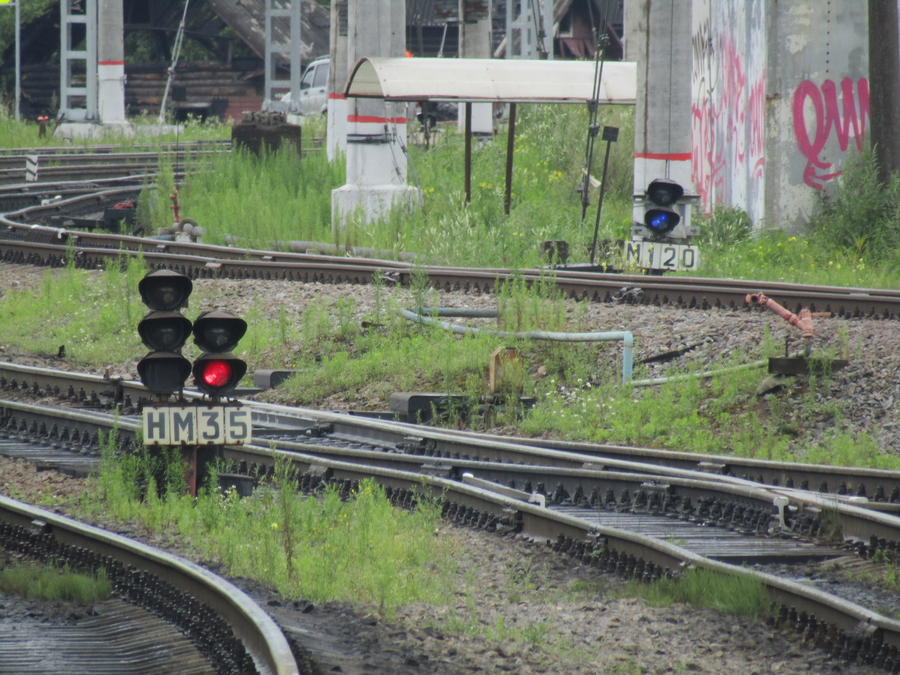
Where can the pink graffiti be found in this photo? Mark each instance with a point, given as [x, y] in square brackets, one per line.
[828, 118]
[729, 130]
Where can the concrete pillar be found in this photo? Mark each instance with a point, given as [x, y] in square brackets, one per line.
[110, 62]
[336, 131]
[634, 25]
[660, 42]
[475, 43]
[376, 129]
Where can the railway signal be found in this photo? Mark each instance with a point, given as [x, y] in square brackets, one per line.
[661, 234]
[164, 330]
[662, 195]
[218, 371]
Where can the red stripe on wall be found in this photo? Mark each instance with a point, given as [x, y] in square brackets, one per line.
[110, 63]
[674, 156]
[369, 119]
[341, 96]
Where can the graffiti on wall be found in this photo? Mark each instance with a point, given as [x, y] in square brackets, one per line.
[728, 115]
[824, 113]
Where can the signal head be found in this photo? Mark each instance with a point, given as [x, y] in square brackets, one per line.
[164, 372]
[664, 192]
[218, 374]
[218, 331]
[164, 331]
[661, 220]
[165, 290]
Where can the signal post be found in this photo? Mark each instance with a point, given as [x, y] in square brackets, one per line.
[662, 231]
[171, 420]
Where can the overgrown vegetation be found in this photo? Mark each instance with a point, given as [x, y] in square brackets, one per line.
[33, 581]
[263, 201]
[732, 593]
[357, 547]
[852, 237]
[304, 547]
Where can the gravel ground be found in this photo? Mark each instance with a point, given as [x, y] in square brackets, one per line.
[599, 634]
[505, 586]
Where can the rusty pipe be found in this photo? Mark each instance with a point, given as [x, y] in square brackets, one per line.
[803, 321]
[176, 207]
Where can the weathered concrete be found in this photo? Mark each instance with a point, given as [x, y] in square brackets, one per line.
[111, 62]
[662, 127]
[475, 43]
[780, 101]
[336, 134]
[376, 129]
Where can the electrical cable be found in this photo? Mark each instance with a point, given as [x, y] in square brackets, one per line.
[593, 112]
[176, 52]
[538, 18]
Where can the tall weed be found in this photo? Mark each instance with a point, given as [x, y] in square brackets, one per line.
[861, 217]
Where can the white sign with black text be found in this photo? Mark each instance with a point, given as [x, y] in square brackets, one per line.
[661, 256]
[197, 425]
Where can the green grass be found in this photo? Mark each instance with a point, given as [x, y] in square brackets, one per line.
[576, 385]
[735, 594]
[94, 315]
[39, 582]
[259, 201]
[303, 547]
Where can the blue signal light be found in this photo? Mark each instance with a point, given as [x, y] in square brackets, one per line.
[661, 220]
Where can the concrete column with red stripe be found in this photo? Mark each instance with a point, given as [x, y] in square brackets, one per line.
[375, 129]
[336, 132]
[661, 45]
[110, 62]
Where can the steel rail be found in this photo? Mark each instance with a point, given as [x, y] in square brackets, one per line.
[114, 149]
[456, 277]
[123, 558]
[663, 489]
[625, 552]
[881, 488]
[631, 553]
[77, 203]
[684, 292]
[90, 241]
[14, 169]
[318, 269]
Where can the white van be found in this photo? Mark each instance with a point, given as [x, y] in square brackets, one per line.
[313, 88]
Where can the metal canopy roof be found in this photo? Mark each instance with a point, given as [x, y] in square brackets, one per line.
[499, 80]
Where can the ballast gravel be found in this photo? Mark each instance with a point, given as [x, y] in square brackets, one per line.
[501, 623]
[518, 608]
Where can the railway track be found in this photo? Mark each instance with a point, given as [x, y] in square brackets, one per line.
[873, 488]
[26, 167]
[42, 246]
[621, 515]
[218, 619]
[621, 509]
[74, 187]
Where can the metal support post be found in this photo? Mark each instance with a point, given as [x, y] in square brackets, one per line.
[75, 13]
[276, 14]
[510, 149]
[610, 135]
[468, 151]
[527, 24]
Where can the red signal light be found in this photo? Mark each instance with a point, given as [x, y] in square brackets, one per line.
[216, 373]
